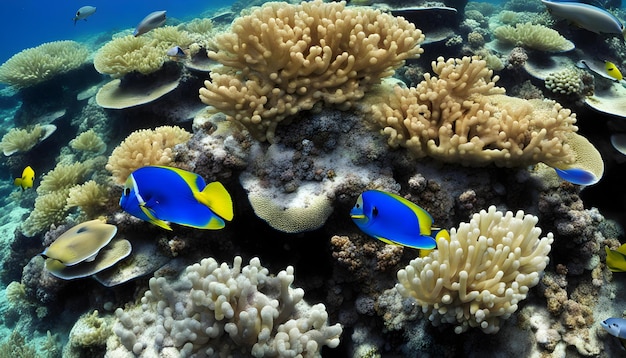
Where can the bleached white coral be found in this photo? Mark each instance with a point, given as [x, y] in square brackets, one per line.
[217, 310]
[478, 278]
[566, 81]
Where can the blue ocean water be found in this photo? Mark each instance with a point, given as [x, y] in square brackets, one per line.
[29, 23]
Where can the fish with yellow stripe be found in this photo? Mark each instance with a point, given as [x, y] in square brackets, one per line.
[396, 220]
[160, 194]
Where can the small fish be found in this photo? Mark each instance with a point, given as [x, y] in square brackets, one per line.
[158, 194]
[395, 220]
[83, 13]
[27, 179]
[586, 16]
[612, 70]
[176, 52]
[617, 328]
[150, 22]
[595, 66]
[616, 259]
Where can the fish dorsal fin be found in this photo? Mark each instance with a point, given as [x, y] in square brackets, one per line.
[217, 198]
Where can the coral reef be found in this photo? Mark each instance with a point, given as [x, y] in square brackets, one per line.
[282, 58]
[478, 278]
[36, 65]
[215, 309]
[22, 140]
[567, 81]
[88, 141]
[144, 147]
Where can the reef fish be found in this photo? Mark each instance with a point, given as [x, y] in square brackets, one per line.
[617, 328]
[83, 13]
[176, 52]
[616, 259]
[586, 16]
[158, 194]
[612, 70]
[395, 220]
[27, 179]
[150, 22]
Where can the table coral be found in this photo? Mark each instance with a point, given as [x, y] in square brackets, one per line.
[283, 58]
[215, 309]
[536, 37]
[478, 278]
[38, 64]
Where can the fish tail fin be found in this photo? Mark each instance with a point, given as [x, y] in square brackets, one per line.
[217, 198]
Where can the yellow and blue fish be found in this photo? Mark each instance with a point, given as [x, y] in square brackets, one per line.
[395, 220]
[159, 194]
[27, 179]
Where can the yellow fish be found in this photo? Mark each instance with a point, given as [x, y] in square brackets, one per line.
[612, 70]
[27, 179]
[616, 259]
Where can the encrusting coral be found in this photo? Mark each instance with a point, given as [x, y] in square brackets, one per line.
[531, 36]
[282, 58]
[217, 310]
[462, 117]
[38, 64]
[478, 277]
[144, 147]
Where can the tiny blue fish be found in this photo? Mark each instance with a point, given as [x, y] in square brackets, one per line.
[395, 220]
[158, 194]
[616, 327]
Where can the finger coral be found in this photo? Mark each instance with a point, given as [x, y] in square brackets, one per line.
[217, 310]
[283, 58]
[478, 278]
[536, 37]
[462, 117]
[145, 147]
[38, 64]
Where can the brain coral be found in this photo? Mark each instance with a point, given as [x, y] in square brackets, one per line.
[478, 277]
[536, 37]
[283, 58]
[145, 147]
[35, 65]
[215, 310]
[462, 117]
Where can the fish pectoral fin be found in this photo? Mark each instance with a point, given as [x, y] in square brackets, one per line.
[387, 241]
[153, 219]
[216, 198]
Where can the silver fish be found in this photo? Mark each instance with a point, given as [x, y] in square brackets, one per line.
[150, 22]
[83, 13]
[588, 17]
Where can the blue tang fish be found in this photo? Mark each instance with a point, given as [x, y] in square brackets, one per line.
[616, 327]
[158, 194]
[395, 220]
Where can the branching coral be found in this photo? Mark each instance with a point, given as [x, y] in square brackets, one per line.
[462, 117]
[283, 58]
[90, 197]
[215, 310]
[536, 37]
[35, 65]
[145, 147]
[478, 278]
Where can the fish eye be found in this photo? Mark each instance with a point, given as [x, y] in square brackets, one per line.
[357, 205]
[375, 211]
[126, 191]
